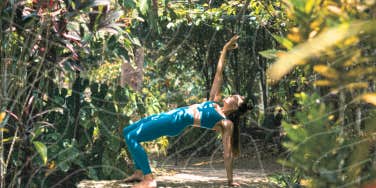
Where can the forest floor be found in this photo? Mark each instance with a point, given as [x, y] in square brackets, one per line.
[204, 172]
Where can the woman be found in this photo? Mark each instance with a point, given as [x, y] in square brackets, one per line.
[207, 114]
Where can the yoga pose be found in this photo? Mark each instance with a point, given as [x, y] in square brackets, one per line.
[207, 115]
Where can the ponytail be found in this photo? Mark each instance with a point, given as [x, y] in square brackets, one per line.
[235, 138]
[235, 141]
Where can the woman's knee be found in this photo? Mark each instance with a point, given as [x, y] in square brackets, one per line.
[131, 136]
[126, 130]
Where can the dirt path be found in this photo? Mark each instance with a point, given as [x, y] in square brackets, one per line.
[203, 172]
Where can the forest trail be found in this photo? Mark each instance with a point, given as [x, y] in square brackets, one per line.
[204, 173]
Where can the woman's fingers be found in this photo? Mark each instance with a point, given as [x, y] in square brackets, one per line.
[232, 43]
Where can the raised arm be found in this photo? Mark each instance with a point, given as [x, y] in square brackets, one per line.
[215, 92]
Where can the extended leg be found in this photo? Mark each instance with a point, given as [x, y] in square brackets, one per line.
[146, 131]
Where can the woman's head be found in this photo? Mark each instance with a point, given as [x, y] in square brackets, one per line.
[233, 103]
[235, 106]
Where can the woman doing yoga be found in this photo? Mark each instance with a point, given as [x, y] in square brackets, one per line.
[207, 115]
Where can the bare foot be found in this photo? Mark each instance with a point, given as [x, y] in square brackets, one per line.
[146, 184]
[135, 177]
[132, 179]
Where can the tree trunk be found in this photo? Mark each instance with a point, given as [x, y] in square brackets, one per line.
[139, 58]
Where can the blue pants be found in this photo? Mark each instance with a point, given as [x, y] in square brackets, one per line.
[151, 128]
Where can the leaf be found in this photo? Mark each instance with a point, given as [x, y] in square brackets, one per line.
[42, 150]
[326, 71]
[144, 6]
[92, 173]
[9, 139]
[113, 16]
[284, 42]
[2, 117]
[369, 98]
[323, 83]
[270, 54]
[362, 71]
[309, 5]
[357, 85]
[317, 45]
[129, 4]
[355, 59]
[4, 130]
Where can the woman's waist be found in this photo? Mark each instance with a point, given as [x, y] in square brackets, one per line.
[181, 114]
[195, 114]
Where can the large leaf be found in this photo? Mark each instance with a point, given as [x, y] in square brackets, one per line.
[316, 46]
[42, 150]
[369, 98]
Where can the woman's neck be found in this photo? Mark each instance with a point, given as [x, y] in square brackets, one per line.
[227, 111]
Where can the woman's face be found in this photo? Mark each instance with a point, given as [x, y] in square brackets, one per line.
[233, 102]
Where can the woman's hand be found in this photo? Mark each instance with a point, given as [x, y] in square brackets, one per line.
[232, 43]
[233, 184]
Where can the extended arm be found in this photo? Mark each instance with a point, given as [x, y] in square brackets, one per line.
[226, 129]
[215, 92]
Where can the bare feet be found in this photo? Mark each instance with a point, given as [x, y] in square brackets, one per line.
[233, 184]
[135, 177]
[148, 182]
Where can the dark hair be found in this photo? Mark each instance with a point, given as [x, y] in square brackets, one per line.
[235, 118]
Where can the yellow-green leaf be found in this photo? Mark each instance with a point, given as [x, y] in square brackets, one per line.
[9, 139]
[357, 85]
[42, 150]
[2, 116]
[362, 71]
[284, 42]
[4, 130]
[354, 59]
[326, 71]
[369, 98]
[323, 83]
[270, 54]
[309, 5]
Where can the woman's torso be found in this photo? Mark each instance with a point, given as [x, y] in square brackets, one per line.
[207, 114]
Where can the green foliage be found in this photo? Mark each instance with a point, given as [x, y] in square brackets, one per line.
[42, 150]
[324, 154]
[286, 179]
[329, 141]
